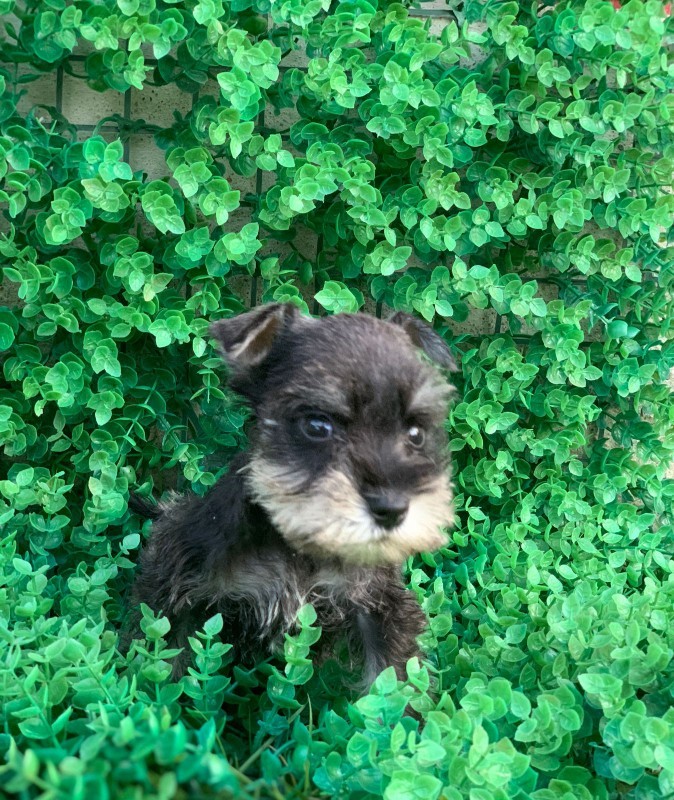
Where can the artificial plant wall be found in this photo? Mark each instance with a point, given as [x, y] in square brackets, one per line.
[515, 169]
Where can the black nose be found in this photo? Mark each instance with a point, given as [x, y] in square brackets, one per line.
[387, 508]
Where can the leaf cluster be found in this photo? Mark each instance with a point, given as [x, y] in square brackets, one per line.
[509, 181]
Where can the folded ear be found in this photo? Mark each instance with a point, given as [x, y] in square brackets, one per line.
[426, 339]
[246, 340]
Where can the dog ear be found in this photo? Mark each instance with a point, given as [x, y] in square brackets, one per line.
[424, 337]
[246, 340]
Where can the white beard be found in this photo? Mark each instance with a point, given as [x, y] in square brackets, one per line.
[332, 519]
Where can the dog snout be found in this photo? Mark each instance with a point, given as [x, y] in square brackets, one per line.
[387, 508]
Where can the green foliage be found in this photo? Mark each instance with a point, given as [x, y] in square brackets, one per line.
[513, 172]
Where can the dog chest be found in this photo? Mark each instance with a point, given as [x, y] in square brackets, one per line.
[269, 591]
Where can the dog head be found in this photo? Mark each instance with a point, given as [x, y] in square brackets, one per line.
[349, 455]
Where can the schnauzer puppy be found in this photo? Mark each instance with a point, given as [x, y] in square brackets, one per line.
[346, 477]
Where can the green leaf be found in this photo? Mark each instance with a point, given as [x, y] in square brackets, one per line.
[410, 785]
[600, 683]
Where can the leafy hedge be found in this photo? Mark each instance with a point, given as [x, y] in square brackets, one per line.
[516, 170]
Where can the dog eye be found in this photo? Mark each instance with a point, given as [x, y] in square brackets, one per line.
[317, 427]
[416, 436]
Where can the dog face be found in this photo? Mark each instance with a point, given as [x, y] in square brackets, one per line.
[349, 453]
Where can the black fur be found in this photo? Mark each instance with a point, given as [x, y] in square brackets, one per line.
[143, 507]
[233, 551]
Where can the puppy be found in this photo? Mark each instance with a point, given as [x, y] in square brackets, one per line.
[347, 475]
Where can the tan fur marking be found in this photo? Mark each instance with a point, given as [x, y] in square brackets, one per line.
[332, 518]
[431, 394]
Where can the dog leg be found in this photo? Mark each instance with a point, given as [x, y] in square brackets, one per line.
[389, 632]
[184, 622]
